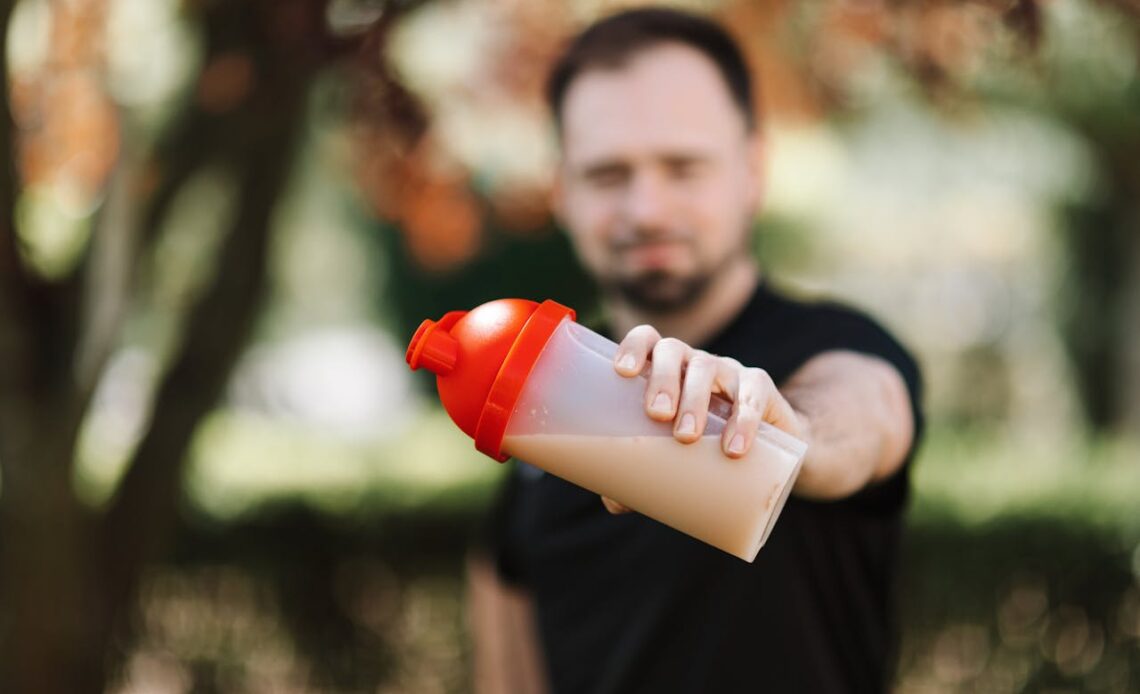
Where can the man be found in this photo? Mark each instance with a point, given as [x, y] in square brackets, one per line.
[659, 181]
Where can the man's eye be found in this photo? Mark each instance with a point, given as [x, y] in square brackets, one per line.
[683, 170]
[606, 178]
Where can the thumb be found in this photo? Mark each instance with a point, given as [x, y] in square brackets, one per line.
[614, 507]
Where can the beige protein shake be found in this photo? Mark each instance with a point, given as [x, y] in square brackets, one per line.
[729, 503]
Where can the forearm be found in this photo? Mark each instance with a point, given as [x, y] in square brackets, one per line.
[504, 643]
[856, 416]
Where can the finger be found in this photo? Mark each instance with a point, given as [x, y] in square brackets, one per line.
[756, 400]
[727, 380]
[692, 412]
[614, 507]
[635, 349]
[664, 388]
[749, 398]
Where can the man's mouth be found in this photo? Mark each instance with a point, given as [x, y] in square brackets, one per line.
[655, 254]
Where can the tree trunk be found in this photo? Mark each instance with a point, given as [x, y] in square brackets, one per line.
[54, 618]
[68, 574]
[1103, 302]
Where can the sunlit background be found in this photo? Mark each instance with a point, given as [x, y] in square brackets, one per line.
[967, 172]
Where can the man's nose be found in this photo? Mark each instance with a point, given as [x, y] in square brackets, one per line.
[647, 202]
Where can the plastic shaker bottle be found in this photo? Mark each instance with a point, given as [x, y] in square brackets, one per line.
[525, 380]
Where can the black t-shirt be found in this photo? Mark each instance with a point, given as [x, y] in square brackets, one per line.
[626, 604]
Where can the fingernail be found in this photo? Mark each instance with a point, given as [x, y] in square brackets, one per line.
[662, 403]
[626, 362]
[736, 445]
[688, 424]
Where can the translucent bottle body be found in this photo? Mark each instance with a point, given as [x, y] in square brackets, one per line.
[579, 419]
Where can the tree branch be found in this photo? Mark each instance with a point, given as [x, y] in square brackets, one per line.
[107, 277]
[124, 231]
[13, 280]
[188, 146]
[144, 507]
[11, 269]
[16, 334]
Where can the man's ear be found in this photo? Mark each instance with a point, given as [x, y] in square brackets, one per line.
[558, 194]
[757, 172]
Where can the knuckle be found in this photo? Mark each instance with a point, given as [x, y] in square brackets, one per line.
[731, 363]
[703, 358]
[701, 379]
[747, 419]
[755, 384]
[644, 331]
[758, 375]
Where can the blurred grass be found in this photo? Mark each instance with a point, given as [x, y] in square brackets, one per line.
[977, 477]
[1021, 562]
[971, 477]
[243, 461]
[1021, 567]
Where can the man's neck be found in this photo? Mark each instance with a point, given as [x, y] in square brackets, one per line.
[699, 322]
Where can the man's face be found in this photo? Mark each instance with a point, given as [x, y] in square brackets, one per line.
[659, 177]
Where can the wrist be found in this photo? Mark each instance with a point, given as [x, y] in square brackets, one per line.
[803, 426]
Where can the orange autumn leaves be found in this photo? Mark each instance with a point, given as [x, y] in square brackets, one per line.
[408, 168]
[806, 57]
[67, 127]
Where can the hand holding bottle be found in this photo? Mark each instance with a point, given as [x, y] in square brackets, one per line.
[681, 383]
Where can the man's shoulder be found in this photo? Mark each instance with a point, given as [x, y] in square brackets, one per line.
[786, 306]
[826, 319]
[789, 328]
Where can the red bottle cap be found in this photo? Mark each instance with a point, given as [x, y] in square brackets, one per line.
[482, 359]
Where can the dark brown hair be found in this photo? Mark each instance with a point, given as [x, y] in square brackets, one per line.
[613, 41]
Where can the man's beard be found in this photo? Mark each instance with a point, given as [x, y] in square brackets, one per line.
[660, 292]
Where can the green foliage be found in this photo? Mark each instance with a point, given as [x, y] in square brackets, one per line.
[537, 266]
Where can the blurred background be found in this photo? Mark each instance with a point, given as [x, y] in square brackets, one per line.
[222, 220]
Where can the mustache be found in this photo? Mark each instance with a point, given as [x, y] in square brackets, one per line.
[640, 240]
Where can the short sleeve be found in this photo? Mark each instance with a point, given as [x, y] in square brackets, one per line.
[836, 327]
[495, 535]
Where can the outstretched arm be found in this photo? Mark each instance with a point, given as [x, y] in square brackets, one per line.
[857, 419]
[852, 409]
